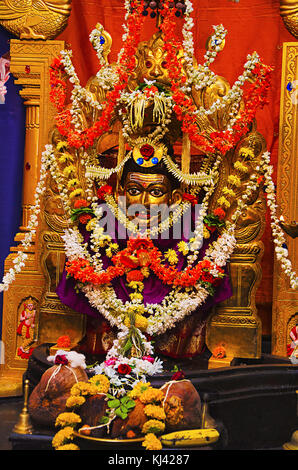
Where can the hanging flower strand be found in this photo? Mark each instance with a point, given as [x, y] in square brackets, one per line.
[125, 65]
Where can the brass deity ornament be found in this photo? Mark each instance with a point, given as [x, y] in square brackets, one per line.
[35, 19]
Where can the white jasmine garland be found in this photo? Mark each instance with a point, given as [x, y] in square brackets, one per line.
[279, 238]
[19, 260]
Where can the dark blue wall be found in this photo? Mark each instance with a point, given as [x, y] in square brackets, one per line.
[12, 134]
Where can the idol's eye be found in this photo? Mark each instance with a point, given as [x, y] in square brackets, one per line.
[157, 192]
[164, 64]
[148, 64]
[133, 191]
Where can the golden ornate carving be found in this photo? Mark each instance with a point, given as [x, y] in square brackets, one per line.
[289, 14]
[35, 19]
[285, 300]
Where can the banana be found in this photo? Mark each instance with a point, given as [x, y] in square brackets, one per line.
[192, 437]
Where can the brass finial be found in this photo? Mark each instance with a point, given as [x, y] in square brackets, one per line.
[24, 426]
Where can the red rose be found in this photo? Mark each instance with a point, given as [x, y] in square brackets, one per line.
[211, 228]
[147, 151]
[178, 375]
[124, 369]
[190, 198]
[61, 359]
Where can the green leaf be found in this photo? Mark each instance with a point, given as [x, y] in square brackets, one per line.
[127, 346]
[113, 403]
[104, 420]
[130, 404]
[120, 413]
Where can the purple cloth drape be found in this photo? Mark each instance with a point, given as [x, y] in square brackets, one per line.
[154, 289]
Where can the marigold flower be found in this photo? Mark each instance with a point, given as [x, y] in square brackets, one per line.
[135, 275]
[139, 389]
[152, 395]
[183, 247]
[67, 419]
[220, 213]
[140, 322]
[63, 436]
[153, 426]
[75, 401]
[63, 342]
[155, 412]
[81, 203]
[171, 256]
[83, 388]
[101, 382]
[151, 442]
[68, 447]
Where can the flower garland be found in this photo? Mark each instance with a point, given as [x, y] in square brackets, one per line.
[184, 107]
[125, 65]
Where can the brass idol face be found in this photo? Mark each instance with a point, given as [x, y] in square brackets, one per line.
[147, 190]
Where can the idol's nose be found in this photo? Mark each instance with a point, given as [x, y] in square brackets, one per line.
[156, 71]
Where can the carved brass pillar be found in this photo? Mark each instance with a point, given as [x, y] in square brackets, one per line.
[235, 326]
[285, 299]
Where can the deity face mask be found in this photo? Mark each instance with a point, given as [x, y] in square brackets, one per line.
[145, 193]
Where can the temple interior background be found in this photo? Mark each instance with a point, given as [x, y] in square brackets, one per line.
[253, 25]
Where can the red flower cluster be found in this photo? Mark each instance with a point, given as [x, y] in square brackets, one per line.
[105, 189]
[220, 213]
[58, 85]
[184, 106]
[63, 342]
[131, 258]
[126, 65]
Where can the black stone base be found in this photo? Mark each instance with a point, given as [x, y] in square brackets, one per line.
[253, 402]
